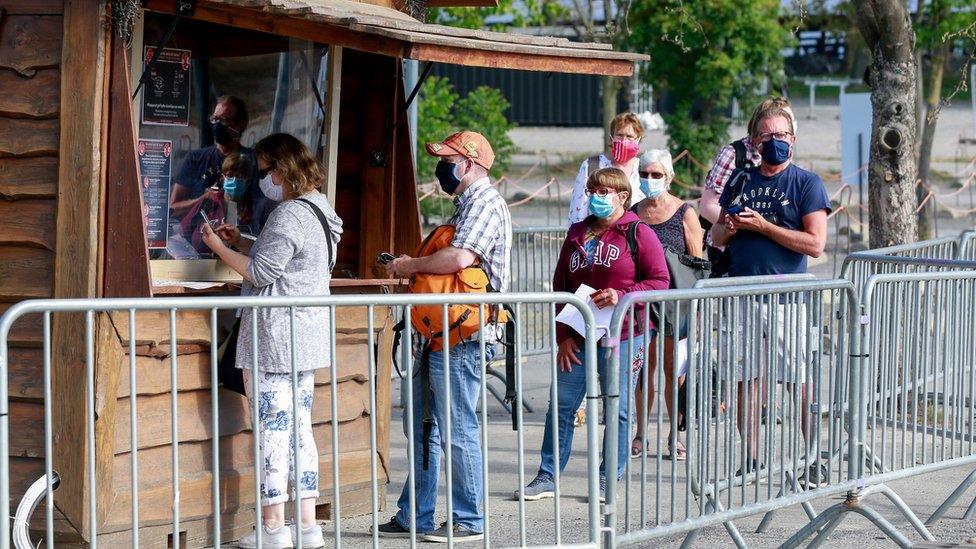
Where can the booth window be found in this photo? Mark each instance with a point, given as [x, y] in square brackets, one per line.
[213, 93]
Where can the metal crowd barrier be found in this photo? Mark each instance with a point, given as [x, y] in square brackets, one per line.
[967, 245]
[496, 464]
[914, 392]
[740, 340]
[535, 251]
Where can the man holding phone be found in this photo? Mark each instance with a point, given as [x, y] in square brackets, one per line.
[771, 222]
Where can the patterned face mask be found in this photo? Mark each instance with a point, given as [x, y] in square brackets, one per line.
[272, 191]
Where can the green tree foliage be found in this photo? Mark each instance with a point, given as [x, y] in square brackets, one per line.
[703, 54]
[441, 112]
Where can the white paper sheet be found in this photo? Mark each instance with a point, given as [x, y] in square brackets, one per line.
[571, 317]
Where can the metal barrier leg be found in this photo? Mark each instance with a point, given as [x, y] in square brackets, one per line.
[883, 525]
[971, 511]
[825, 533]
[829, 516]
[768, 517]
[905, 510]
[829, 519]
[716, 506]
[955, 495]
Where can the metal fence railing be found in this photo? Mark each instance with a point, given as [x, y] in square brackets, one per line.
[753, 347]
[449, 440]
[535, 251]
[913, 391]
[783, 389]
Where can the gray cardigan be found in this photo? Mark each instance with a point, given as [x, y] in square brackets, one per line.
[289, 259]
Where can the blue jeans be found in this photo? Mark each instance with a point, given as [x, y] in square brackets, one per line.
[467, 485]
[572, 388]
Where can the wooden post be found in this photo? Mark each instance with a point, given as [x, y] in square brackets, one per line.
[83, 66]
[333, 87]
[126, 272]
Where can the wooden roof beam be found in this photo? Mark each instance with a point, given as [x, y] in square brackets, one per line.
[500, 59]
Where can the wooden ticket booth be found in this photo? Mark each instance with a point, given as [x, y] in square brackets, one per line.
[78, 218]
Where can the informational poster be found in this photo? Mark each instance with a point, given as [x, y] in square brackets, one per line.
[155, 163]
[166, 93]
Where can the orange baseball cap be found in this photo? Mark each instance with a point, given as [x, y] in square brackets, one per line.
[471, 145]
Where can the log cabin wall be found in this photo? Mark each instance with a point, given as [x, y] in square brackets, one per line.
[30, 77]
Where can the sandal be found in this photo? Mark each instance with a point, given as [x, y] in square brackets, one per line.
[678, 454]
[637, 447]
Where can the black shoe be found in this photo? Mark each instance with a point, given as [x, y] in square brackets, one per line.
[461, 534]
[393, 529]
[814, 477]
[752, 466]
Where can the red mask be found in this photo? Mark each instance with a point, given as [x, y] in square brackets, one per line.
[624, 150]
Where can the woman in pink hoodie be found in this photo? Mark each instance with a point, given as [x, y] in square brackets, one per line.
[596, 253]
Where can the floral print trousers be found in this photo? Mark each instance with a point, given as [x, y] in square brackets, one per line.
[277, 444]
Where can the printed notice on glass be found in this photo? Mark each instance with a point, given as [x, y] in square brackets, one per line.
[166, 92]
[155, 163]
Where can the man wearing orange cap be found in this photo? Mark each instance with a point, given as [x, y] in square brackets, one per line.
[483, 234]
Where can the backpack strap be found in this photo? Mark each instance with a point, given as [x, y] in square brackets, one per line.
[632, 244]
[741, 156]
[325, 227]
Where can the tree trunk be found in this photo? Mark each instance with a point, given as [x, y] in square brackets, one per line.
[929, 118]
[886, 29]
[611, 85]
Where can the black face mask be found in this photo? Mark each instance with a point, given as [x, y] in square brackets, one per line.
[224, 134]
[446, 177]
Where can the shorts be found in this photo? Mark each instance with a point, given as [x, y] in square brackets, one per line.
[788, 327]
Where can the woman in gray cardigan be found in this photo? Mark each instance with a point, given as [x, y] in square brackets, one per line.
[293, 256]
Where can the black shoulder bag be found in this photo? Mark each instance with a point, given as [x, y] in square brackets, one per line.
[684, 270]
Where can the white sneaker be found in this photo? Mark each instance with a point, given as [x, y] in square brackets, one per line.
[311, 537]
[279, 538]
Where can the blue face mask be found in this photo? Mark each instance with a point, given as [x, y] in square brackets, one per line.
[233, 187]
[775, 152]
[652, 188]
[602, 206]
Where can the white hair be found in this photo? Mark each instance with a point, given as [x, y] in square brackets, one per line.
[658, 156]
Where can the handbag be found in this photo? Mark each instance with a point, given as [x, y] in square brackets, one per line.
[229, 375]
[684, 270]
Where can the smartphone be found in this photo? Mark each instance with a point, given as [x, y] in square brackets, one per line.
[205, 218]
[734, 209]
[385, 258]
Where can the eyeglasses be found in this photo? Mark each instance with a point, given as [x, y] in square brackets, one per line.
[602, 191]
[781, 136]
[629, 137]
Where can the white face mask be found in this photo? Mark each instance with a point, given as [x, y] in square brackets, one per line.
[270, 190]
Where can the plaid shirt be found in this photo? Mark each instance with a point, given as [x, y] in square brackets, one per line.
[724, 165]
[483, 225]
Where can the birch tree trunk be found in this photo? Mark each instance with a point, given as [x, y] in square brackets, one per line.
[892, 173]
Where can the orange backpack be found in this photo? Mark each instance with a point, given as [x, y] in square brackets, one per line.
[427, 320]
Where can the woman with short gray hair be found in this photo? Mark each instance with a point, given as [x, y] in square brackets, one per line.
[676, 224]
